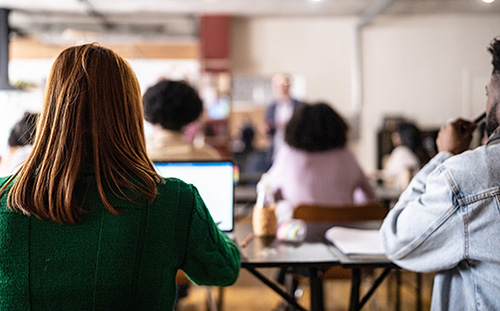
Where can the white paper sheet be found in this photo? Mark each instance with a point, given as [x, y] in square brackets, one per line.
[356, 241]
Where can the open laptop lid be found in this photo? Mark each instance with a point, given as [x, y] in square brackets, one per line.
[214, 181]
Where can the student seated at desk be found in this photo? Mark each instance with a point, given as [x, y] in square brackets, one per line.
[447, 220]
[87, 223]
[407, 156]
[315, 166]
[171, 106]
[20, 143]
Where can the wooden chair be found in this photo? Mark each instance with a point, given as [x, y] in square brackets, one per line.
[340, 214]
[343, 213]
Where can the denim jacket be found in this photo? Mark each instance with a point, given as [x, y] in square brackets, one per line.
[448, 221]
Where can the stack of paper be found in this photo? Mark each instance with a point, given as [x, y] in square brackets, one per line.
[356, 241]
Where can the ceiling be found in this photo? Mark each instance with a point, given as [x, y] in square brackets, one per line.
[177, 19]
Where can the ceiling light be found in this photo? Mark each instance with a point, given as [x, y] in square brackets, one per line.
[322, 0]
[488, 1]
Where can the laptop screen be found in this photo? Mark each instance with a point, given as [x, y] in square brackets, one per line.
[214, 181]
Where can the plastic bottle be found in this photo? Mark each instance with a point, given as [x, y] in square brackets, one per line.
[264, 218]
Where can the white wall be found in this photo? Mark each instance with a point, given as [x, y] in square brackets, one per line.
[428, 68]
[317, 49]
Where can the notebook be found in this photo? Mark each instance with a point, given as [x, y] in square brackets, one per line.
[214, 181]
[352, 241]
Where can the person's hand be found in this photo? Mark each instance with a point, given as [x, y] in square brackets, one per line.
[455, 137]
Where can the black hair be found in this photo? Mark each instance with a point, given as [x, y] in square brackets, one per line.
[411, 137]
[23, 132]
[494, 49]
[171, 104]
[316, 127]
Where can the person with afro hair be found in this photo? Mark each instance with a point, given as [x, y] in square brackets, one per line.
[171, 106]
[315, 165]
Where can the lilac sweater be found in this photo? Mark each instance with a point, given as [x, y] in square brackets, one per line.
[324, 178]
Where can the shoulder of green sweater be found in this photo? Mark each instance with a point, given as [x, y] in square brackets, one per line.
[4, 194]
[174, 185]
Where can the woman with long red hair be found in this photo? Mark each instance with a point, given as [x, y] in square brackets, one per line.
[87, 223]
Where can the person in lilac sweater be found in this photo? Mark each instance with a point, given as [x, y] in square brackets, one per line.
[315, 166]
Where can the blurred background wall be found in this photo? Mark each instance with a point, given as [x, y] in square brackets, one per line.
[426, 67]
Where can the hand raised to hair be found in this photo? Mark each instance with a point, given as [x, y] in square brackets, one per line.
[455, 137]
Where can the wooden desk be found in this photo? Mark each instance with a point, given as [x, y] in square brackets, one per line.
[316, 255]
[269, 252]
[356, 263]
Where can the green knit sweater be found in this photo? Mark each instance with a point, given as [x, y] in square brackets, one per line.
[108, 262]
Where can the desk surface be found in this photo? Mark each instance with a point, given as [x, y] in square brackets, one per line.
[388, 194]
[315, 251]
[269, 252]
[315, 254]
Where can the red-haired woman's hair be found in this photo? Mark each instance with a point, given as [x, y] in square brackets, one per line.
[91, 121]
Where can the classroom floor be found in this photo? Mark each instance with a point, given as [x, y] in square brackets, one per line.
[248, 294]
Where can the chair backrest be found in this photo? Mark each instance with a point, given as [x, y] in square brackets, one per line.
[343, 213]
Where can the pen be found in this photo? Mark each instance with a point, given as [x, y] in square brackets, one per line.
[247, 240]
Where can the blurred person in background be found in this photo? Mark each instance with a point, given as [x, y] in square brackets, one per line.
[243, 141]
[279, 112]
[20, 143]
[407, 157]
[171, 106]
[315, 166]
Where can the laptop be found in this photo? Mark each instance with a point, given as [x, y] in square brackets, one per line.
[214, 181]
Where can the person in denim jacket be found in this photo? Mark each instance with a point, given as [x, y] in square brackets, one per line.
[448, 219]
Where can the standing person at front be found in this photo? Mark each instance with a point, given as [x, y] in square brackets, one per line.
[447, 221]
[280, 111]
[86, 223]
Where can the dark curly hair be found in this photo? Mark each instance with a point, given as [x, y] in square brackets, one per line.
[494, 49]
[411, 137]
[23, 132]
[171, 104]
[316, 127]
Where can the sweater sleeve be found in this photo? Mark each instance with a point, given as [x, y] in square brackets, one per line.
[211, 258]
